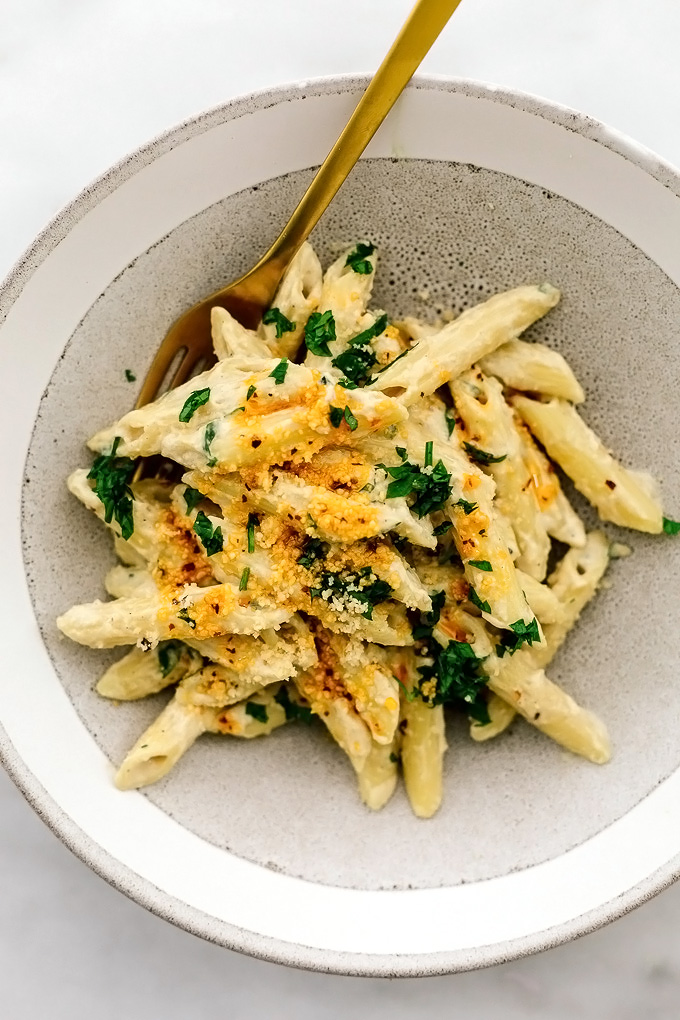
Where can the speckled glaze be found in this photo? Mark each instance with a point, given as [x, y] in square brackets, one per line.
[288, 804]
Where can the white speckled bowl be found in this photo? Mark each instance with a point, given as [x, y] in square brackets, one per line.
[264, 846]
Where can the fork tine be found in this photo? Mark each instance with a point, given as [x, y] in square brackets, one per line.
[186, 367]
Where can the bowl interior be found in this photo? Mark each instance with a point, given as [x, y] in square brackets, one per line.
[449, 234]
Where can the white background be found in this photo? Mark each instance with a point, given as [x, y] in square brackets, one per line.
[81, 83]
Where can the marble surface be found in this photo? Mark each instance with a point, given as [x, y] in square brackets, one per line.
[82, 82]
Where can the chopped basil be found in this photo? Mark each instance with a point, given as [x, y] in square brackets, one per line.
[481, 456]
[401, 452]
[395, 360]
[211, 537]
[428, 454]
[251, 390]
[361, 588]
[455, 673]
[521, 633]
[254, 708]
[192, 497]
[236, 410]
[195, 400]
[350, 419]
[450, 421]
[208, 437]
[314, 549]
[130, 375]
[466, 507]
[111, 476]
[481, 564]
[441, 529]
[671, 527]
[279, 373]
[410, 695]
[355, 363]
[184, 615]
[432, 488]
[275, 317]
[292, 709]
[423, 629]
[319, 332]
[481, 604]
[339, 414]
[253, 521]
[243, 583]
[169, 653]
[376, 330]
[358, 259]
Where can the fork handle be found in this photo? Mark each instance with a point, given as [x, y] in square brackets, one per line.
[424, 24]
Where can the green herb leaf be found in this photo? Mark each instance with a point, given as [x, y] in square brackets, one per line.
[210, 536]
[456, 673]
[671, 527]
[432, 487]
[314, 549]
[130, 375]
[394, 361]
[394, 758]
[356, 364]
[253, 521]
[401, 452]
[339, 414]
[522, 633]
[275, 317]
[410, 695]
[208, 437]
[376, 330]
[292, 709]
[111, 476]
[450, 421]
[358, 589]
[336, 416]
[243, 583]
[358, 360]
[481, 564]
[466, 507]
[441, 529]
[429, 620]
[251, 390]
[428, 454]
[481, 604]
[279, 373]
[192, 497]
[481, 456]
[195, 400]
[319, 332]
[350, 419]
[254, 708]
[358, 259]
[183, 614]
[169, 654]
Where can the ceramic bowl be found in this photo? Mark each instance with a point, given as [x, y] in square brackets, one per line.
[264, 846]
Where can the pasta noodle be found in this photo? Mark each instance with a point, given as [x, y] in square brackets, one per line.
[360, 536]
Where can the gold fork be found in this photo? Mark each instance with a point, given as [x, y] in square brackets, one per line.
[248, 297]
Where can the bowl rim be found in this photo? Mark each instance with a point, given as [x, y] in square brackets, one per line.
[120, 876]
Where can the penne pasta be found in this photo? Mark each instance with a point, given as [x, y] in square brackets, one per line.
[142, 673]
[625, 497]
[533, 367]
[346, 543]
[423, 744]
[461, 343]
[490, 433]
